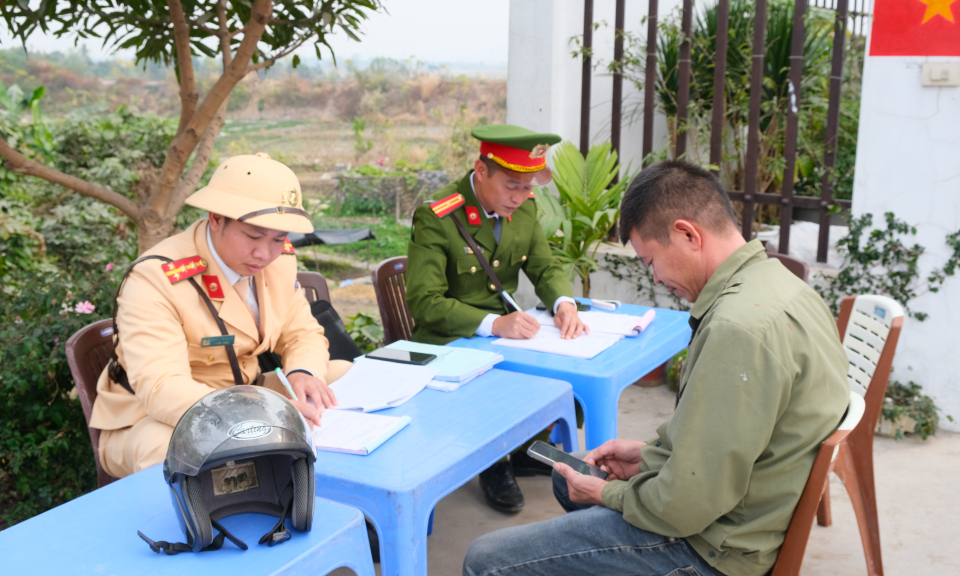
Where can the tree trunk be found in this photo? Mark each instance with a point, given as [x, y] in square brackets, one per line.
[585, 278]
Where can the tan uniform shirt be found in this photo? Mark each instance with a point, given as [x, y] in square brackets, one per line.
[162, 326]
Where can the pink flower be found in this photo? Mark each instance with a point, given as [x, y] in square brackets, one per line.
[85, 307]
[56, 340]
[109, 266]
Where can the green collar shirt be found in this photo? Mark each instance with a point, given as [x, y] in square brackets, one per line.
[764, 383]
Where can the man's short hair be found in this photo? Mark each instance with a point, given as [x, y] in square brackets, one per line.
[491, 165]
[669, 191]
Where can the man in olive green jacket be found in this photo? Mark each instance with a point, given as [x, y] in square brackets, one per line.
[449, 292]
[763, 385]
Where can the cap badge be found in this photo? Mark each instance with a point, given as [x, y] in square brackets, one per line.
[539, 151]
[290, 198]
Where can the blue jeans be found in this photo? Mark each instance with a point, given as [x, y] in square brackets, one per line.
[587, 540]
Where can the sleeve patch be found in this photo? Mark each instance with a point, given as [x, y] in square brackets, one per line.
[443, 207]
[183, 269]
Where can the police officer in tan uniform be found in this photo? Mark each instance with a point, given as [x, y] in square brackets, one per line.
[172, 350]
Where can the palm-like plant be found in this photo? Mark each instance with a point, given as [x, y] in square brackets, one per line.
[587, 208]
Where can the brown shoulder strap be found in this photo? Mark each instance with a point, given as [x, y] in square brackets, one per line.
[483, 262]
[119, 375]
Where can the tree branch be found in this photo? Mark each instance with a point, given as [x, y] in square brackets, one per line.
[186, 141]
[17, 162]
[272, 60]
[188, 86]
[188, 185]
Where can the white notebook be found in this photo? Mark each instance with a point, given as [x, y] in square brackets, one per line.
[355, 432]
[372, 385]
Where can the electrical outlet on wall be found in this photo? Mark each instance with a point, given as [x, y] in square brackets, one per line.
[941, 74]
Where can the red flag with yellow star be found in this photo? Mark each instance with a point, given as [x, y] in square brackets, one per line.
[915, 28]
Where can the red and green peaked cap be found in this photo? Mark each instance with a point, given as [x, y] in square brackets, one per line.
[513, 147]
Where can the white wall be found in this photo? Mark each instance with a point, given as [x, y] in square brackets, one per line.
[544, 80]
[908, 163]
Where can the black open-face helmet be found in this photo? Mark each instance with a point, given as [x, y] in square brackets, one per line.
[237, 450]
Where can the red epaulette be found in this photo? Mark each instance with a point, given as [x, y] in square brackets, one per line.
[288, 247]
[443, 207]
[532, 195]
[183, 269]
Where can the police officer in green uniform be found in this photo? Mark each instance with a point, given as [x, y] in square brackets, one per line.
[449, 292]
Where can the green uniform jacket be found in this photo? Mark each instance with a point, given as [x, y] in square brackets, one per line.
[764, 383]
[448, 292]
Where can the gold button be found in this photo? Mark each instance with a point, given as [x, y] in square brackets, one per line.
[523, 258]
[496, 263]
[473, 269]
[209, 358]
[492, 287]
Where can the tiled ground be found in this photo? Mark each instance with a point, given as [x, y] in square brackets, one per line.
[917, 491]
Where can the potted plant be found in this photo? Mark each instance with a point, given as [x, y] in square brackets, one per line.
[907, 410]
[588, 207]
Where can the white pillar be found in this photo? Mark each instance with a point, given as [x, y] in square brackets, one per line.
[908, 163]
[544, 79]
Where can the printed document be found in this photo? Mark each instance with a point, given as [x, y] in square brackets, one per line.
[372, 385]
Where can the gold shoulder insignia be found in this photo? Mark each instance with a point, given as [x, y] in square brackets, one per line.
[443, 207]
[183, 269]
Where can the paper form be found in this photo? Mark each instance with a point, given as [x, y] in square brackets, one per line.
[372, 385]
[549, 340]
[355, 432]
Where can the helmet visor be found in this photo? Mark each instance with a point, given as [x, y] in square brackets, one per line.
[232, 423]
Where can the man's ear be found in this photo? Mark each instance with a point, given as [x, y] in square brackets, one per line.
[217, 222]
[480, 169]
[688, 233]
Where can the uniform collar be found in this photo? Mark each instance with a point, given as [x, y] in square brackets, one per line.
[228, 272]
[473, 188]
[750, 253]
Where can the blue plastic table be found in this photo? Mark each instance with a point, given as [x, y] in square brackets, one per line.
[598, 382]
[97, 534]
[453, 437]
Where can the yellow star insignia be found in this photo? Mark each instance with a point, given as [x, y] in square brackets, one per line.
[938, 8]
[169, 266]
[177, 275]
[191, 265]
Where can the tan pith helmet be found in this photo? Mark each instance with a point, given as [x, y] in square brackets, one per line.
[256, 190]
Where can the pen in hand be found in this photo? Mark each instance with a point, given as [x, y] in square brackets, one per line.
[286, 384]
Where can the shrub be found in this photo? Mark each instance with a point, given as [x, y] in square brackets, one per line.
[45, 453]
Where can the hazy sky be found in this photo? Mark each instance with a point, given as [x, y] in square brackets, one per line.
[436, 31]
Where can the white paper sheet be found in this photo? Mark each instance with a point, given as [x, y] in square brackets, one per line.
[372, 385]
[603, 322]
[355, 432]
[548, 340]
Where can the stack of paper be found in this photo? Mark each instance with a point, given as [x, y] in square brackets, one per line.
[604, 322]
[354, 432]
[372, 385]
[548, 340]
[455, 366]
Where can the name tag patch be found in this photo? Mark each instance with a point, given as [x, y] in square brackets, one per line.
[217, 341]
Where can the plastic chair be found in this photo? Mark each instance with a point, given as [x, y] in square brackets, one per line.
[314, 285]
[88, 353]
[869, 329]
[389, 283]
[794, 545]
[799, 268]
